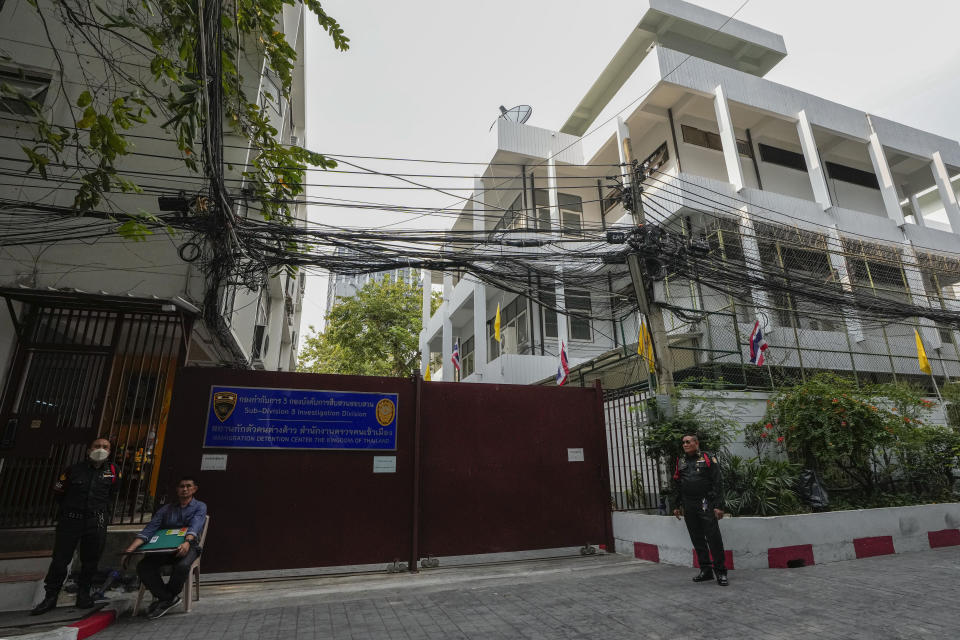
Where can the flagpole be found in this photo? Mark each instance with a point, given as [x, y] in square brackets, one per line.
[939, 397]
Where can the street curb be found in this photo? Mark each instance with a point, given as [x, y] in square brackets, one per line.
[798, 540]
[92, 624]
[804, 554]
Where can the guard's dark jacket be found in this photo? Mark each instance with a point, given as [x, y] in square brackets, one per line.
[85, 489]
[697, 477]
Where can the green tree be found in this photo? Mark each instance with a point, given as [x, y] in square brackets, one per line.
[373, 333]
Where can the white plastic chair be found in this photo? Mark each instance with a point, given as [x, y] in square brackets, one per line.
[191, 590]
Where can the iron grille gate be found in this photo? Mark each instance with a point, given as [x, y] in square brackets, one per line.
[78, 374]
[635, 478]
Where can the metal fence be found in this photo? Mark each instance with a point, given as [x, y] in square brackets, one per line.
[635, 478]
[709, 329]
[79, 374]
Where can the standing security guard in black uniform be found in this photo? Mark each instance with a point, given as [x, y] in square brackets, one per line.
[85, 492]
[698, 486]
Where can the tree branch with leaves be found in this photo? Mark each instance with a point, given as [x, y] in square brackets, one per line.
[151, 53]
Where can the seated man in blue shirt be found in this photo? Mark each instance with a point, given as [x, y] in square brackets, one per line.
[186, 512]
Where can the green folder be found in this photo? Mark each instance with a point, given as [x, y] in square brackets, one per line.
[164, 540]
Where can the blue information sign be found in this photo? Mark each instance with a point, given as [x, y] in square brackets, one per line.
[261, 418]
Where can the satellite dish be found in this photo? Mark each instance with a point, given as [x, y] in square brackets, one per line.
[519, 114]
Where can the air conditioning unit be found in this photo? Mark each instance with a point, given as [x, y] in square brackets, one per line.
[294, 141]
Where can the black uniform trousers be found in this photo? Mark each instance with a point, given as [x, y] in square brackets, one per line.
[704, 534]
[153, 563]
[87, 531]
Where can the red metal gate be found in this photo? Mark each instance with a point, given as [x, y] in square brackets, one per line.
[479, 469]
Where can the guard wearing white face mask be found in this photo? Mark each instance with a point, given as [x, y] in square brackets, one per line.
[86, 492]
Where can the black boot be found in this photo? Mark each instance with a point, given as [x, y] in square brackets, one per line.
[84, 599]
[47, 604]
[705, 575]
[722, 578]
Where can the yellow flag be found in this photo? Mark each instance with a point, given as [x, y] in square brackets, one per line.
[922, 355]
[426, 376]
[645, 346]
[496, 325]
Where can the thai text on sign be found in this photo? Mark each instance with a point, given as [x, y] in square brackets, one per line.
[264, 418]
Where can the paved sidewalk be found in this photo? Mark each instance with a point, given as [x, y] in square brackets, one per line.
[900, 596]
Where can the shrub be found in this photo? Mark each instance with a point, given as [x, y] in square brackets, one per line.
[689, 414]
[864, 441]
[763, 487]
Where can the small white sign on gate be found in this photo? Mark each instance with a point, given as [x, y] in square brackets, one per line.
[575, 455]
[213, 462]
[384, 464]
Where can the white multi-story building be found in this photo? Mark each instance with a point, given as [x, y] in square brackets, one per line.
[869, 203]
[94, 329]
[340, 285]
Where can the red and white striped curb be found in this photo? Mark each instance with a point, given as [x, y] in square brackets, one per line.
[803, 554]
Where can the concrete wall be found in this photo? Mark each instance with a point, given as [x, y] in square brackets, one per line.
[784, 180]
[826, 537]
[537, 142]
[853, 196]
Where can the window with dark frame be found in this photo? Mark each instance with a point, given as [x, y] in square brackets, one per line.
[571, 214]
[18, 88]
[859, 177]
[578, 302]
[710, 140]
[841, 172]
[548, 299]
[467, 358]
[610, 200]
[782, 157]
[512, 316]
[541, 200]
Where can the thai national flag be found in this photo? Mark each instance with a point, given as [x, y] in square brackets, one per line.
[564, 369]
[455, 356]
[757, 344]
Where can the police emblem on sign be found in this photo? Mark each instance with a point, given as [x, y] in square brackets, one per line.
[224, 402]
[385, 412]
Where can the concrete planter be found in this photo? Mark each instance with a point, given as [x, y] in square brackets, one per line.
[782, 541]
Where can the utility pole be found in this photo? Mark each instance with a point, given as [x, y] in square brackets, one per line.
[663, 357]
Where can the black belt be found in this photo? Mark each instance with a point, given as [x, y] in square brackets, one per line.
[82, 515]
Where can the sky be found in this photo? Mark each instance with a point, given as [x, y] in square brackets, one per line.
[423, 79]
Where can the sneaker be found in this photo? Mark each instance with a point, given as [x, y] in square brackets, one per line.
[49, 603]
[153, 606]
[722, 579]
[163, 607]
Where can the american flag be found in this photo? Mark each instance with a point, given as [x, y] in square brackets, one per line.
[564, 369]
[455, 356]
[757, 344]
